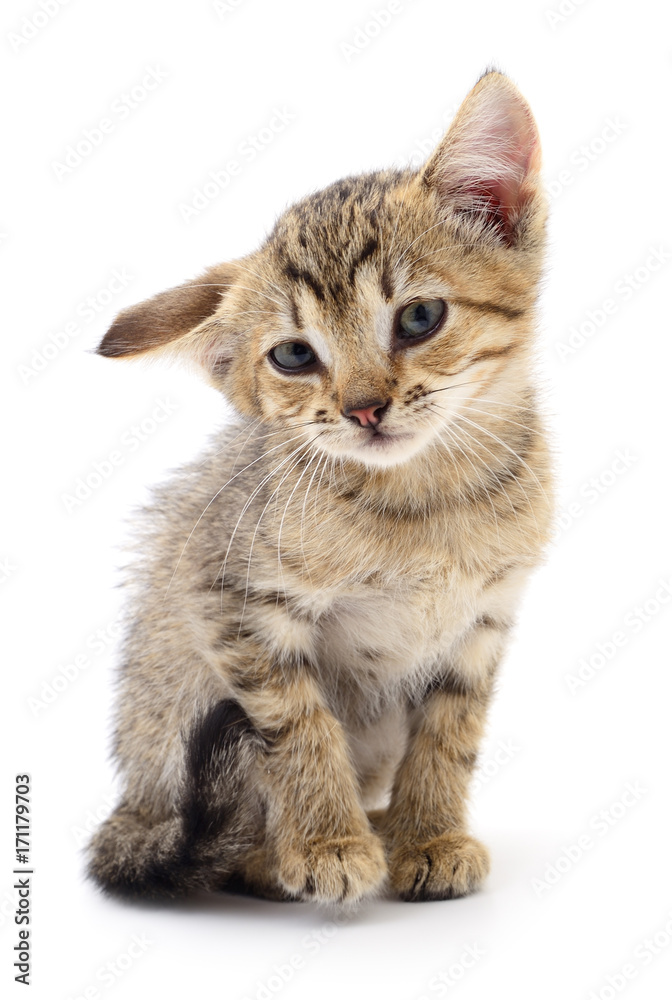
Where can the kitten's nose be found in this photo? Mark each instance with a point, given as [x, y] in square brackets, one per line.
[368, 415]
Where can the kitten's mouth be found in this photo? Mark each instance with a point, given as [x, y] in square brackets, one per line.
[384, 439]
[379, 448]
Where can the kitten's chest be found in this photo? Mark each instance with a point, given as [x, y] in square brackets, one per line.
[389, 602]
[391, 634]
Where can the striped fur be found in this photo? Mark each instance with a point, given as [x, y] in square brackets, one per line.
[319, 608]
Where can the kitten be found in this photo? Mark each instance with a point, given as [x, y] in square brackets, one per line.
[322, 600]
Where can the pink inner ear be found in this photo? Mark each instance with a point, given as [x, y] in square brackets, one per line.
[211, 354]
[495, 200]
[509, 150]
[487, 160]
[499, 200]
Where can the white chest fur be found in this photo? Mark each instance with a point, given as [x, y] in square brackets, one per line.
[393, 634]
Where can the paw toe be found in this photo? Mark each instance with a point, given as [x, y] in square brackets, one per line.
[446, 867]
[335, 870]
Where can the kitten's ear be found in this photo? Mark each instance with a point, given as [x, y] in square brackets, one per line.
[488, 162]
[168, 316]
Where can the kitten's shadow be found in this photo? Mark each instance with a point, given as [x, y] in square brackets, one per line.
[245, 907]
[510, 871]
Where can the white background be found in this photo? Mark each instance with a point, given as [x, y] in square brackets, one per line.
[597, 76]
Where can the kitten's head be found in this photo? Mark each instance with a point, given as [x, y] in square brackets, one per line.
[382, 305]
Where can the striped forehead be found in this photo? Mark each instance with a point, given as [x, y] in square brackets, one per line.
[322, 245]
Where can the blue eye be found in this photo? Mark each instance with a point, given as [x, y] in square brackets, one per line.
[292, 356]
[420, 318]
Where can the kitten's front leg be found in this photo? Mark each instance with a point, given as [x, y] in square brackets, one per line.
[319, 841]
[431, 854]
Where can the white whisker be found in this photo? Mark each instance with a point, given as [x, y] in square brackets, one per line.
[402, 255]
[284, 513]
[302, 523]
[479, 479]
[212, 500]
[287, 473]
[234, 284]
[221, 574]
[450, 246]
[261, 277]
[470, 442]
[461, 416]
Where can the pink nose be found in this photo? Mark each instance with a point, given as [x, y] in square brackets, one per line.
[368, 416]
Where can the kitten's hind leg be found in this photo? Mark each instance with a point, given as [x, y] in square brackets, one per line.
[131, 856]
[137, 854]
[255, 876]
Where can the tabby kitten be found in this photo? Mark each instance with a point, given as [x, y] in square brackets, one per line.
[323, 598]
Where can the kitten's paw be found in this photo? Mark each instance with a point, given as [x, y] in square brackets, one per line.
[448, 866]
[339, 869]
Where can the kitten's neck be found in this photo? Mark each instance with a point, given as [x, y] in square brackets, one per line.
[419, 485]
[481, 457]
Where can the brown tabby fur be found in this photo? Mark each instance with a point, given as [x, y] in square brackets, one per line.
[316, 622]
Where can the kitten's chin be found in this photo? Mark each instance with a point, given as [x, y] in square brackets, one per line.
[382, 451]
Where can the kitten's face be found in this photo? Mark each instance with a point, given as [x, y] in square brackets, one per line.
[379, 309]
[366, 323]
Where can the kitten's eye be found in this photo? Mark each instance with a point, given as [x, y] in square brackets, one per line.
[292, 356]
[420, 318]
